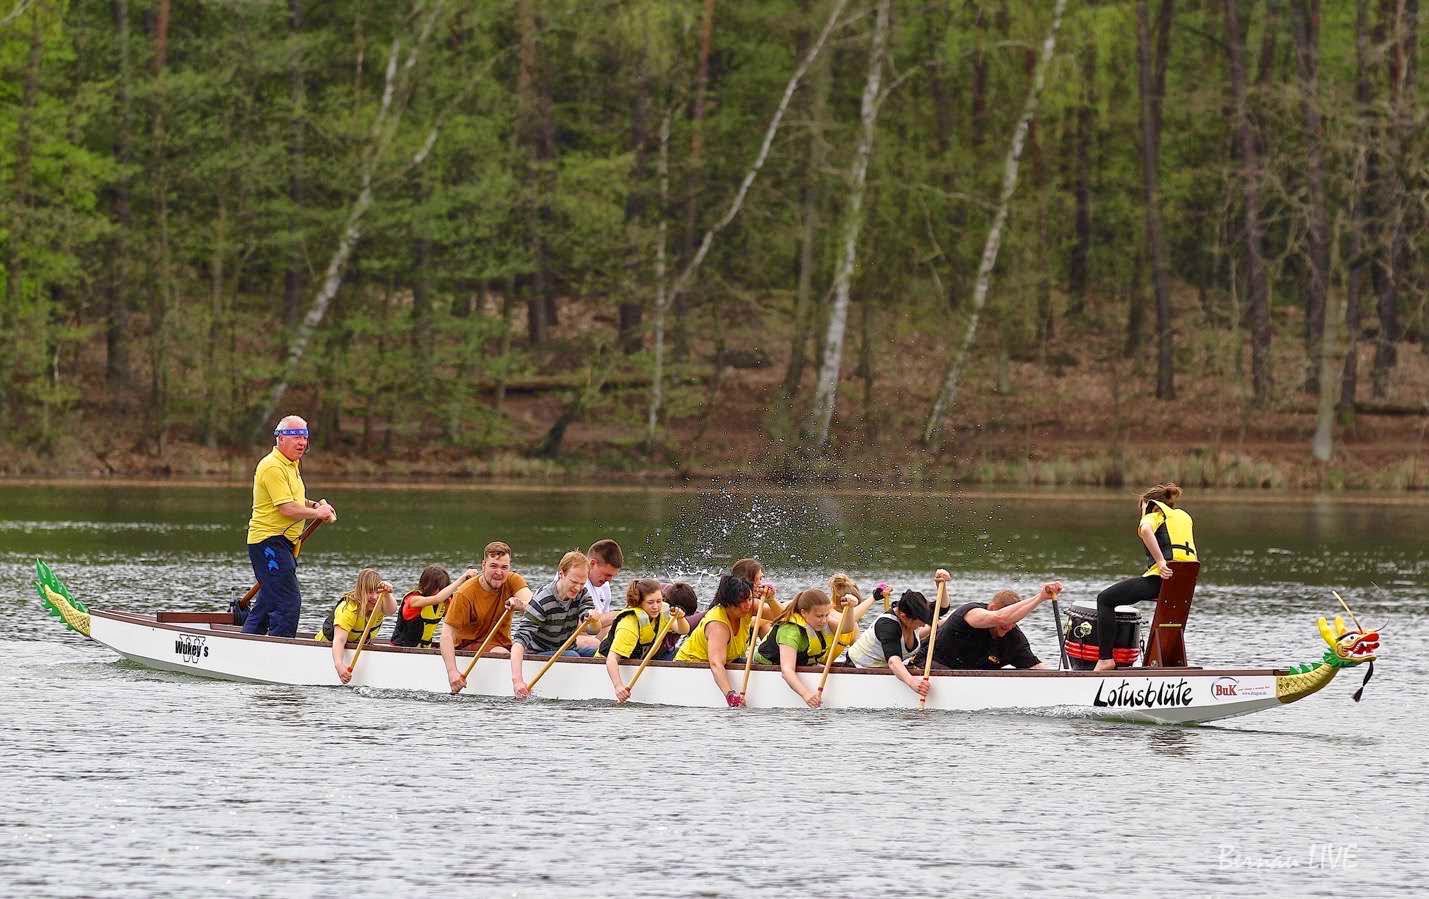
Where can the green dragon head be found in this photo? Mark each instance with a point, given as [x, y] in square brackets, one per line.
[1347, 648]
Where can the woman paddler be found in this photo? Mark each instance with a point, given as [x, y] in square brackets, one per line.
[842, 590]
[370, 600]
[802, 637]
[422, 610]
[893, 638]
[723, 634]
[1165, 531]
[633, 631]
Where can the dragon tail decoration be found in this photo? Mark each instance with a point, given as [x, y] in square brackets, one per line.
[58, 602]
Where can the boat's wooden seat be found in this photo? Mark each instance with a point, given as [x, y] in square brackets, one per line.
[1165, 642]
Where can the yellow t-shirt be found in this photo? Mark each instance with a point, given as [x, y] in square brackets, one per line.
[276, 480]
[348, 616]
[632, 630]
[696, 647]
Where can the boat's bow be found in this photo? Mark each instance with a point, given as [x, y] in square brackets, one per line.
[1347, 649]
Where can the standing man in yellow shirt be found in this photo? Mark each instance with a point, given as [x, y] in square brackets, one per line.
[280, 506]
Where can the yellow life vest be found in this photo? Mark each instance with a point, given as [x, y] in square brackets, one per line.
[348, 616]
[816, 643]
[696, 647]
[419, 631]
[645, 631]
[1174, 536]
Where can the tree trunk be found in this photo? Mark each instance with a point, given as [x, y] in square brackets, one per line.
[536, 135]
[696, 166]
[657, 378]
[1307, 52]
[116, 335]
[933, 430]
[1358, 242]
[826, 388]
[1078, 268]
[630, 309]
[163, 288]
[1331, 349]
[811, 201]
[21, 207]
[1402, 31]
[1257, 287]
[215, 325]
[293, 275]
[1151, 73]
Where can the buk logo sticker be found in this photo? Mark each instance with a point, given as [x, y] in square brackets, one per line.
[191, 649]
[1225, 688]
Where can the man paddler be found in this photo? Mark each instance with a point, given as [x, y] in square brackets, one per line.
[985, 636]
[479, 605]
[551, 617]
[280, 506]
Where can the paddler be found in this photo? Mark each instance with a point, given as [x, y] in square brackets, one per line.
[985, 636]
[280, 506]
[893, 638]
[551, 617]
[843, 591]
[421, 611]
[722, 635]
[606, 559]
[633, 633]
[479, 605]
[801, 637]
[360, 611]
[1166, 533]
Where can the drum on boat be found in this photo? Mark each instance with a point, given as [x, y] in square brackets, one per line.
[1083, 636]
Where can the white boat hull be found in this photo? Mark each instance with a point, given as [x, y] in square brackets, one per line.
[1178, 696]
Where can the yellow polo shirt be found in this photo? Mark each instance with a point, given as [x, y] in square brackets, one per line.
[276, 480]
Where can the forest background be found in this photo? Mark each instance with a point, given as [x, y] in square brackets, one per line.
[909, 242]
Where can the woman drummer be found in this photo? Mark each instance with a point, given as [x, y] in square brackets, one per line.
[1165, 531]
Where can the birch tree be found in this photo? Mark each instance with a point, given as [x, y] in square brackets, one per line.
[687, 274]
[826, 389]
[948, 394]
[399, 84]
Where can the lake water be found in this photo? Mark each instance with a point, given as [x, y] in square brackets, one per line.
[116, 780]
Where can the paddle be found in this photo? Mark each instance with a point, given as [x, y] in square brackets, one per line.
[749, 651]
[833, 647]
[297, 550]
[655, 647]
[362, 641]
[933, 638]
[481, 650]
[1061, 637]
[580, 629]
[1352, 615]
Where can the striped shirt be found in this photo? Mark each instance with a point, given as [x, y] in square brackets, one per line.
[549, 621]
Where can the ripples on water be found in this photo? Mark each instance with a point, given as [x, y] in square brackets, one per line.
[123, 781]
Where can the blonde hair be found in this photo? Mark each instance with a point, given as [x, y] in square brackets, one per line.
[841, 585]
[365, 590]
[573, 559]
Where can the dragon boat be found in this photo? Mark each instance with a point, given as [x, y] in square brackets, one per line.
[209, 644]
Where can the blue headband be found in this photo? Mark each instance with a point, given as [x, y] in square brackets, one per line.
[290, 432]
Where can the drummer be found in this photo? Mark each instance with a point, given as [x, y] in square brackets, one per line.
[985, 636]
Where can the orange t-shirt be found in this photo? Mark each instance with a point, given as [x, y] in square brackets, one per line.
[473, 609]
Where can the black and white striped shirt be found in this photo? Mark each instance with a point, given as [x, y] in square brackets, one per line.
[549, 621]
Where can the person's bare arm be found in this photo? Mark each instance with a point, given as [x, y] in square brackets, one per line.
[293, 509]
[448, 646]
[916, 684]
[518, 681]
[717, 636]
[520, 599]
[612, 668]
[788, 661]
[339, 644]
